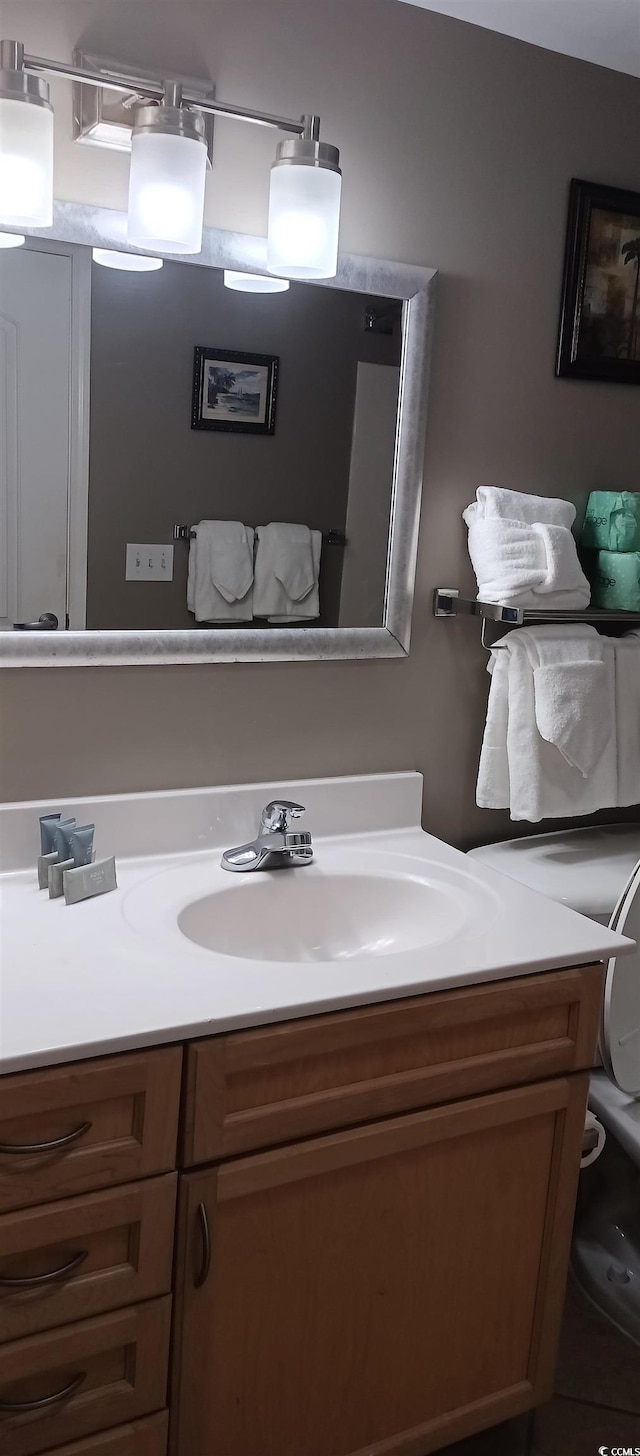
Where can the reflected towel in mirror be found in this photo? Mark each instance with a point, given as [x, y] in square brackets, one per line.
[220, 574]
[287, 571]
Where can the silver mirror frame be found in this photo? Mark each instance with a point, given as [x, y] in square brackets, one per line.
[104, 228]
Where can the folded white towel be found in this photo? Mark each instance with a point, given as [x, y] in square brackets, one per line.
[627, 659]
[287, 573]
[516, 505]
[220, 575]
[574, 701]
[550, 743]
[493, 790]
[526, 564]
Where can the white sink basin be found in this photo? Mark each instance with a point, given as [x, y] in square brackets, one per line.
[182, 949]
[346, 912]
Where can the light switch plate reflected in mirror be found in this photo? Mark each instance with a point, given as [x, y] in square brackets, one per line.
[148, 563]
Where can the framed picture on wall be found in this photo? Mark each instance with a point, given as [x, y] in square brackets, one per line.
[600, 316]
[234, 391]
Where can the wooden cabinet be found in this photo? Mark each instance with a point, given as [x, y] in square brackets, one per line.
[88, 1188]
[140, 1438]
[252, 1089]
[65, 1261]
[87, 1125]
[374, 1228]
[65, 1384]
[379, 1291]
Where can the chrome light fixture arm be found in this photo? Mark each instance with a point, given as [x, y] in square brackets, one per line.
[13, 57]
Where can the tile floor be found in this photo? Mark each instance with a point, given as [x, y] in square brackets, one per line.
[597, 1399]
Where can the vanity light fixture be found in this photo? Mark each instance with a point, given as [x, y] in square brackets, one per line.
[11, 240]
[26, 143]
[168, 165]
[254, 282]
[304, 207]
[126, 262]
[167, 176]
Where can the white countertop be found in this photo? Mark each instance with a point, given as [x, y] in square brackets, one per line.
[116, 972]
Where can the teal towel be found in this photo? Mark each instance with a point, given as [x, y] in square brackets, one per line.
[612, 521]
[616, 581]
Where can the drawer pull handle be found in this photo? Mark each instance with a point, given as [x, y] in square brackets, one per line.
[53, 1146]
[205, 1262]
[20, 1407]
[33, 1281]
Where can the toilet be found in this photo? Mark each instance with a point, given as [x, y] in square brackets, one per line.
[597, 872]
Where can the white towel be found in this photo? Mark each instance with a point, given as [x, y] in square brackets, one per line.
[220, 575]
[287, 573]
[550, 743]
[493, 789]
[627, 658]
[526, 565]
[516, 505]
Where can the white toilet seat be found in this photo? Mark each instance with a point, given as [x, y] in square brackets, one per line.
[620, 1034]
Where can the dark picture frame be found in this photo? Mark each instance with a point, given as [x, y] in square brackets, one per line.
[600, 314]
[234, 391]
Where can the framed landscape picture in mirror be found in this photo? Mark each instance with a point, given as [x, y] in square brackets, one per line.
[600, 316]
[234, 391]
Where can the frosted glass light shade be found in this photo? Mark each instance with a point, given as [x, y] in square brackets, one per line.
[126, 262]
[11, 240]
[254, 282]
[26, 164]
[304, 221]
[166, 192]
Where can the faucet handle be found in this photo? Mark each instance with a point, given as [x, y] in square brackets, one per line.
[276, 816]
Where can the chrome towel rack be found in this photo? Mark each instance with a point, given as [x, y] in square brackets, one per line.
[330, 538]
[447, 602]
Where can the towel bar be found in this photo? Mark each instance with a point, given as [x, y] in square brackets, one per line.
[330, 538]
[448, 603]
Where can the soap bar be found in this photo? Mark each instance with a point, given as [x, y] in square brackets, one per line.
[616, 581]
[55, 877]
[44, 862]
[86, 881]
[612, 521]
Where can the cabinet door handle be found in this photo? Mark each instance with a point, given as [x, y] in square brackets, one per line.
[33, 1281]
[53, 1146]
[20, 1407]
[205, 1262]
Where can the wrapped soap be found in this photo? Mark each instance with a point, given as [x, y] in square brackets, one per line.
[612, 521]
[615, 581]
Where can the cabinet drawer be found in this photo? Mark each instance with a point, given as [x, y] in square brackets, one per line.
[254, 1089]
[117, 1247]
[114, 1368]
[87, 1125]
[142, 1438]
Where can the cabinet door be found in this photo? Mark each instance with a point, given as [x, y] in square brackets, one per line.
[380, 1291]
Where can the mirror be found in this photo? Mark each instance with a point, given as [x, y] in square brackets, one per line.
[147, 412]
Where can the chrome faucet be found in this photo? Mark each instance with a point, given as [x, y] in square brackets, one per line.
[277, 846]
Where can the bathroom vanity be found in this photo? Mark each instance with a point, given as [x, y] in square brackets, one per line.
[270, 1230]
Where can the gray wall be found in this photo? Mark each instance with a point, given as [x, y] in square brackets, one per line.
[457, 148]
[148, 468]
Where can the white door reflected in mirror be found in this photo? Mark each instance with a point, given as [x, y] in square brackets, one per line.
[35, 408]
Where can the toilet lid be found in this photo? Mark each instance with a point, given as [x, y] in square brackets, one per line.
[621, 1013]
